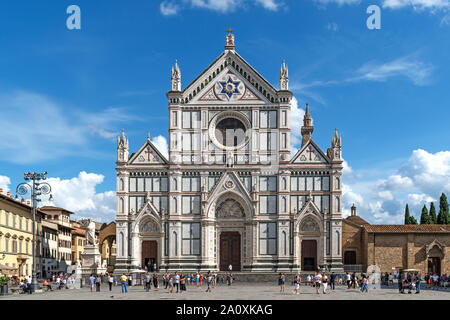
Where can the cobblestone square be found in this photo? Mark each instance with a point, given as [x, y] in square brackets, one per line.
[237, 291]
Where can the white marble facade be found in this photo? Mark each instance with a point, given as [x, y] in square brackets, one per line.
[230, 191]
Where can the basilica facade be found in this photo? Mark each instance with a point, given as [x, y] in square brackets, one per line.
[230, 193]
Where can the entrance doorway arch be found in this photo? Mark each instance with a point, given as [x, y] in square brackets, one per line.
[309, 255]
[230, 250]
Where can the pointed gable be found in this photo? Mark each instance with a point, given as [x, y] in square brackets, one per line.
[229, 79]
[148, 154]
[310, 153]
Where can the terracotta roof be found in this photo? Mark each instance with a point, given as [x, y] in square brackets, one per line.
[357, 220]
[49, 208]
[79, 232]
[409, 228]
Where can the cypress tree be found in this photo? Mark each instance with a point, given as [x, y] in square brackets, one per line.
[407, 216]
[412, 220]
[433, 217]
[443, 216]
[425, 217]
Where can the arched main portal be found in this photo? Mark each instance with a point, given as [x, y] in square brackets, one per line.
[310, 243]
[150, 236]
[230, 226]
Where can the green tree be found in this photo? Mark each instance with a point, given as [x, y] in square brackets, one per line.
[433, 216]
[412, 220]
[443, 216]
[407, 216]
[425, 217]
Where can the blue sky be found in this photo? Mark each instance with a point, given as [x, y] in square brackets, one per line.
[66, 94]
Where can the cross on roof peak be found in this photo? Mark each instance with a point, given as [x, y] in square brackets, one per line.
[230, 31]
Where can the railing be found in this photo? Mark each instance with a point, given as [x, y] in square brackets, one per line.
[358, 268]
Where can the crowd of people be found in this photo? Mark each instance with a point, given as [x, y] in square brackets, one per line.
[405, 281]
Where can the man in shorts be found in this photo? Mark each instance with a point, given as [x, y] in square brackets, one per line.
[317, 280]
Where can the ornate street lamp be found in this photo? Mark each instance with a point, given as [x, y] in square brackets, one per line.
[36, 188]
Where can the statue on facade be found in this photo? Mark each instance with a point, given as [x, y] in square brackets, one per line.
[90, 233]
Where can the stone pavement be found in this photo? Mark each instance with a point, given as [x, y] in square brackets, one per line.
[238, 291]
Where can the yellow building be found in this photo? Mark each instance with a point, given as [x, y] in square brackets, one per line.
[16, 237]
[78, 241]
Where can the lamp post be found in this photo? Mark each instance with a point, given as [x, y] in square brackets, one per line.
[36, 188]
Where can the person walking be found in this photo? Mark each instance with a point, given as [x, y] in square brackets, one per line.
[98, 283]
[182, 283]
[209, 282]
[364, 284]
[177, 281]
[148, 281]
[332, 281]
[170, 284]
[123, 280]
[282, 282]
[418, 280]
[296, 284]
[91, 282]
[110, 281]
[324, 282]
[317, 279]
[155, 281]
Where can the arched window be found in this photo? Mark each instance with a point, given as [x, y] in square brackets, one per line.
[122, 244]
[338, 204]
[121, 184]
[283, 204]
[121, 205]
[284, 242]
[338, 242]
[175, 243]
[338, 183]
[174, 204]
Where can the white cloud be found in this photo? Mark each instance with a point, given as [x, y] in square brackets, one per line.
[36, 128]
[332, 26]
[271, 5]
[417, 4]
[338, 2]
[168, 8]
[4, 183]
[418, 181]
[297, 115]
[413, 69]
[173, 7]
[79, 196]
[160, 143]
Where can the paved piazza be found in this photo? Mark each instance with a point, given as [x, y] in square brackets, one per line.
[238, 291]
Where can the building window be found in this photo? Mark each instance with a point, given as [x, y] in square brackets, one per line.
[268, 119]
[338, 183]
[160, 203]
[191, 141]
[175, 118]
[268, 184]
[191, 204]
[268, 141]
[247, 182]
[175, 243]
[284, 242]
[328, 238]
[166, 238]
[121, 184]
[268, 204]
[136, 203]
[20, 223]
[212, 180]
[121, 205]
[191, 119]
[291, 238]
[338, 242]
[338, 204]
[6, 219]
[191, 184]
[310, 183]
[297, 203]
[122, 244]
[190, 239]
[268, 238]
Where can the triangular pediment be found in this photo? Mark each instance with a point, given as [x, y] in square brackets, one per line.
[309, 208]
[229, 79]
[310, 153]
[148, 154]
[147, 211]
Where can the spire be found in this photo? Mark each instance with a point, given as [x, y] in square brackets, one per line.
[122, 148]
[176, 77]
[148, 136]
[229, 40]
[284, 77]
[335, 140]
[334, 153]
[307, 128]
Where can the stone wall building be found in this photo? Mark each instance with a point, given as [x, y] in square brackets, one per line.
[16, 237]
[229, 191]
[50, 249]
[78, 241]
[393, 247]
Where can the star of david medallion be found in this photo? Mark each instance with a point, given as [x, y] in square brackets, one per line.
[229, 87]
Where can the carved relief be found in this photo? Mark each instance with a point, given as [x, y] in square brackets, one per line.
[148, 226]
[309, 225]
[230, 209]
